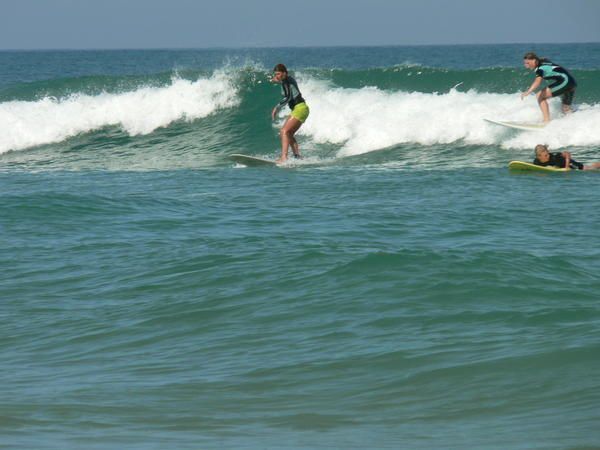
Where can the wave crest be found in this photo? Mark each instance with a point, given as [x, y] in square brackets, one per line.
[141, 111]
[369, 118]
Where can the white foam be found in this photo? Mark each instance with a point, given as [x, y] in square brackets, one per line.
[49, 120]
[367, 119]
[579, 129]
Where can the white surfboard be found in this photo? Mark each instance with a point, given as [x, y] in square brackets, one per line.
[248, 160]
[518, 125]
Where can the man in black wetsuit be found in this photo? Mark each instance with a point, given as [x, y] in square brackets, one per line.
[562, 160]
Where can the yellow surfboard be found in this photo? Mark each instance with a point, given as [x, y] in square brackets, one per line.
[522, 165]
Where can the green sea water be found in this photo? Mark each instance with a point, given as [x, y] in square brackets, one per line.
[396, 288]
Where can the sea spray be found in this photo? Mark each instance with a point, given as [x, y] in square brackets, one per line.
[352, 111]
[369, 118]
[141, 111]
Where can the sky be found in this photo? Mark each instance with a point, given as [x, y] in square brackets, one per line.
[132, 24]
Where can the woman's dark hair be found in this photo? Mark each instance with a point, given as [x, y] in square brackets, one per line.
[280, 68]
[531, 55]
[538, 60]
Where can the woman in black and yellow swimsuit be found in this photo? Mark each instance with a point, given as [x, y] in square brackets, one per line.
[293, 98]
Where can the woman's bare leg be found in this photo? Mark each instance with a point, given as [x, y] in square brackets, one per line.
[287, 138]
[542, 98]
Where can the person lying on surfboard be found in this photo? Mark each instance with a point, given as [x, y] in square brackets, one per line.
[562, 160]
[563, 84]
[293, 98]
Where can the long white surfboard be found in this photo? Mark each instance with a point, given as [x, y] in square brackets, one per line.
[518, 125]
[248, 160]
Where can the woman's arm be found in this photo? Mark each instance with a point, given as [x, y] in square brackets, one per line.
[567, 156]
[536, 84]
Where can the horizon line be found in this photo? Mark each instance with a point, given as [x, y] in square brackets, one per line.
[269, 47]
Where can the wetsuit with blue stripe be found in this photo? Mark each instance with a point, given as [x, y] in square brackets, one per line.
[562, 82]
[291, 93]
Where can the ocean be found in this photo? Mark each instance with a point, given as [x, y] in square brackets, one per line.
[398, 288]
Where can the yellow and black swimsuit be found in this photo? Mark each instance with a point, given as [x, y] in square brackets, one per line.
[293, 98]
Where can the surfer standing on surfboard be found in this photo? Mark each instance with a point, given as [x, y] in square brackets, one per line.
[563, 83]
[293, 98]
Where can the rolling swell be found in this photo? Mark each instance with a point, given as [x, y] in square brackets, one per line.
[193, 118]
[398, 288]
[190, 305]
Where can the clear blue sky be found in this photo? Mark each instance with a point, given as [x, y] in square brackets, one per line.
[76, 24]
